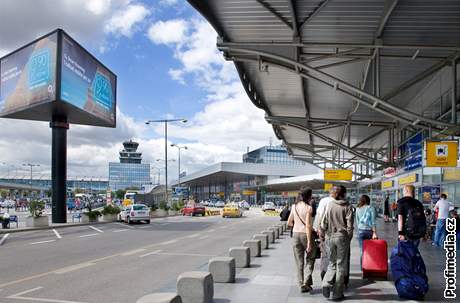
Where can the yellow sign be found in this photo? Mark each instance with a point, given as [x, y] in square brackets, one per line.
[248, 192]
[328, 186]
[408, 179]
[441, 153]
[451, 174]
[387, 184]
[338, 174]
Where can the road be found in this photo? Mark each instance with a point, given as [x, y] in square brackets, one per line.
[116, 262]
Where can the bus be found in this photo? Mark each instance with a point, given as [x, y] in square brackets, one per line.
[129, 198]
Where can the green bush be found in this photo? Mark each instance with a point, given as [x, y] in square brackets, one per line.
[163, 205]
[110, 210]
[177, 205]
[92, 215]
[36, 208]
[153, 207]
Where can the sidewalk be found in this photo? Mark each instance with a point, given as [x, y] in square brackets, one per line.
[271, 278]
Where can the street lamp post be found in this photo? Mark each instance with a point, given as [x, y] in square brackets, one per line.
[165, 121]
[31, 169]
[179, 147]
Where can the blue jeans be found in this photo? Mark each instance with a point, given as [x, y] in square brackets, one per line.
[458, 241]
[363, 234]
[440, 233]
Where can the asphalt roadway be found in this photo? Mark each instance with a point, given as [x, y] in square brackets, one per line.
[116, 262]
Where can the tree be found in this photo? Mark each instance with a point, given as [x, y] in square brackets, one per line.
[120, 194]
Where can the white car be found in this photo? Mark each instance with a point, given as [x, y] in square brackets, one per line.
[219, 204]
[135, 213]
[244, 205]
[269, 206]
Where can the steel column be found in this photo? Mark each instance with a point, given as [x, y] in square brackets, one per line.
[454, 92]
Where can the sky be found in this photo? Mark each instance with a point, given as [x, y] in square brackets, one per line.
[167, 65]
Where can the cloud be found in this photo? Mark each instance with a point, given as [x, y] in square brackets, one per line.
[169, 32]
[124, 21]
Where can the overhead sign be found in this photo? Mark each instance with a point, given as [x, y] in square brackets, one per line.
[409, 179]
[389, 172]
[388, 184]
[413, 148]
[338, 174]
[441, 153]
[328, 186]
[249, 192]
[451, 174]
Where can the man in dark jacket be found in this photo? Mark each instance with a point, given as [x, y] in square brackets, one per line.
[411, 217]
[285, 213]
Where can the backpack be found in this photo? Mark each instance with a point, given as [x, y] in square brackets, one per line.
[416, 222]
[408, 271]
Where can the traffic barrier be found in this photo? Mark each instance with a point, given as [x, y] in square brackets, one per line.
[272, 213]
[280, 228]
[195, 287]
[276, 230]
[242, 256]
[166, 297]
[271, 235]
[212, 213]
[263, 240]
[222, 269]
[255, 247]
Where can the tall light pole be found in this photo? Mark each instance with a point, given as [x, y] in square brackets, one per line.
[166, 121]
[31, 169]
[179, 147]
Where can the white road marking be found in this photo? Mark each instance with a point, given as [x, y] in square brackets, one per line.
[40, 242]
[18, 296]
[168, 242]
[133, 252]
[4, 238]
[204, 237]
[72, 268]
[119, 230]
[57, 234]
[211, 230]
[150, 253]
[124, 225]
[143, 227]
[88, 235]
[96, 229]
[193, 236]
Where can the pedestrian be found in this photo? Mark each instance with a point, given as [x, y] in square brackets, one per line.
[394, 210]
[337, 226]
[386, 208]
[366, 221]
[411, 217]
[284, 215]
[442, 206]
[429, 221]
[301, 221]
[316, 226]
[6, 220]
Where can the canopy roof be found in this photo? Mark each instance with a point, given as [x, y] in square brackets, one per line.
[342, 81]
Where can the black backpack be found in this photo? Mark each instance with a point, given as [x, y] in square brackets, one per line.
[415, 222]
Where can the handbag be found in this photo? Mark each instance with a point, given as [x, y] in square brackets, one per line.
[315, 238]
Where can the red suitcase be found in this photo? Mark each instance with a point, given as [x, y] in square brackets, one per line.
[375, 259]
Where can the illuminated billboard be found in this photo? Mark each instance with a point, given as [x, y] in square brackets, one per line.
[86, 83]
[54, 76]
[28, 76]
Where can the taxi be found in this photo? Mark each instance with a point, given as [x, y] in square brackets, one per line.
[232, 210]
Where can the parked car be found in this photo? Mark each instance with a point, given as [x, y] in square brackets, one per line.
[244, 205]
[135, 213]
[219, 204]
[268, 206]
[232, 210]
[193, 209]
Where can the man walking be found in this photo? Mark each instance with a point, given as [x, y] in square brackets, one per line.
[337, 226]
[443, 207]
[411, 217]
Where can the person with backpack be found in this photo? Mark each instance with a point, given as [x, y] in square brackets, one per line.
[442, 206]
[366, 221]
[337, 226]
[284, 215]
[411, 217]
[301, 221]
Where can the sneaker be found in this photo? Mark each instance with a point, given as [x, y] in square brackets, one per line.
[338, 299]
[326, 291]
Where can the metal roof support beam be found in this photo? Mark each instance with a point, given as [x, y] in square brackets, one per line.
[337, 121]
[336, 82]
[275, 13]
[326, 126]
[349, 61]
[304, 57]
[454, 94]
[334, 55]
[388, 8]
[295, 28]
[325, 138]
[314, 13]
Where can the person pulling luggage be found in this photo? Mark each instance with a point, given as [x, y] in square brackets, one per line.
[411, 217]
[301, 221]
[366, 221]
[337, 226]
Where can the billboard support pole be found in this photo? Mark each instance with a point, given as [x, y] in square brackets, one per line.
[59, 128]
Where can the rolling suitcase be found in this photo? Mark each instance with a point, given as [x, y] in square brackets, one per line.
[375, 259]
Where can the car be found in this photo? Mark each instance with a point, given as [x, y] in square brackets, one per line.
[193, 209]
[219, 204]
[268, 206]
[232, 210]
[244, 205]
[135, 213]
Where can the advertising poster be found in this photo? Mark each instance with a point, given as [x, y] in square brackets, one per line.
[28, 76]
[441, 154]
[431, 194]
[87, 84]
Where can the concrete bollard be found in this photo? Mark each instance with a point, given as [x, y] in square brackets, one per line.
[271, 235]
[195, 287]
[222, 269]
[280, 229]
[242, 256]
[166, 297]
[263, 240]
[276, 230]
[255, 247]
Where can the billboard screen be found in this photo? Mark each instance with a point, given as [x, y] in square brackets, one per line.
[86, 83]
[28, 76]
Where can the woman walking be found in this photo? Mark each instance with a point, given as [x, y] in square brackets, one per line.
[365, 219]
[301, 222]
[386, 209]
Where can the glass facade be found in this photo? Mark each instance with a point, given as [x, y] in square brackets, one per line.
[124, 175]
[271, 155]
